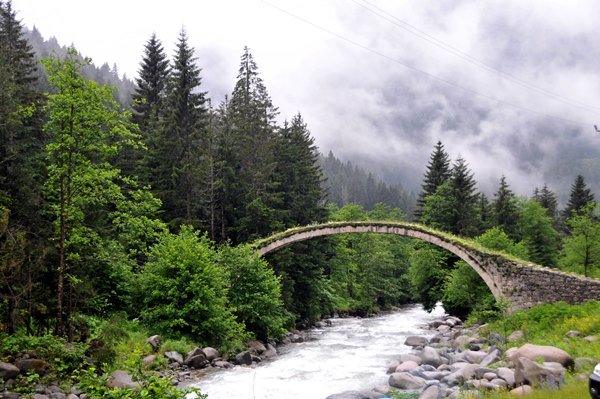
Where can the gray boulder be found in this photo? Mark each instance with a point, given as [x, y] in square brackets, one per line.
[270, 352]
[348, 395]
[507, 375]
[41, 367]
[547, 353]
[243, 358]
[492, 357]
[174, 357]
[196, 359]
[8, 371]
[210, 353]
[121, 379]
[256, 346]
[547, 373]
[406, 381]
[154, 342]
[415, 340]
[406, 366]
[431, 392]
[430, 356]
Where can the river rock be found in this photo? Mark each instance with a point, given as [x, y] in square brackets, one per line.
[431, 392]
[8, 371]
[406, 380]
[243, 358]
[121, 379]
[492, 357]
[462, 341]
[40, 396]
[148, 360]
[573, 333]
[174, 357]
[348, 395]
[507, 375]
[154, 342]
[584, 363]
[548, 353]
[405, 357]
[474, 357]
[196, 359]
[430, 356]
[222, 364]
[39, 366]
[523, 390]
[270, 352]
[256, 346]
[210, 353]
[415, 340]
[547, 373]
[406, 366]
[516, 336]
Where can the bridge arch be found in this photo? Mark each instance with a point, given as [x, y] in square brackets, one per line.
[522, 284]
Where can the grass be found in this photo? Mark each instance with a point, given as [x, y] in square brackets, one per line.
[572, 389]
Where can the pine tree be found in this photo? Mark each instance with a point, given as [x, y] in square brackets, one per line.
[299, 175]
[179, 148]
[580, 196]
[462, 186]
[547, 200]
[505, 209]
[150, 85]
[438, 172]
[254, 193]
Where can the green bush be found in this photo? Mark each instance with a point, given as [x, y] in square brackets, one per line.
[254, 292]
[185, 293]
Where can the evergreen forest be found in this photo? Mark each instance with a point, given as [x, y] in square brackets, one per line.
[137, 201]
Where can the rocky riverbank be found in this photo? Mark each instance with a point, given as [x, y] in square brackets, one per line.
[458, 359]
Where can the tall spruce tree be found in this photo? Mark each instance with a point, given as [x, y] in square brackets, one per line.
[505, 209]
[547, 200]
[254, 192]
[179, 147]
[580, 196]
[151, 83]
[147, 109]
[462, 187]
[438, 172]
[299, 175]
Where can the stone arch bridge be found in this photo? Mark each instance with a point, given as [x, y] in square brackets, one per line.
[523, 284]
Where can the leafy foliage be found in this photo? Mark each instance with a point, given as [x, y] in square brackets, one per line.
[185, 292]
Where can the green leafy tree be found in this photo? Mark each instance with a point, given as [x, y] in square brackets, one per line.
[84, 190]
[496, 239]
[185, 292]
[537, 233]
[581, 248]
[254, 292]
[579, 197]
[438, 172]
[428, 270]
[465, 291]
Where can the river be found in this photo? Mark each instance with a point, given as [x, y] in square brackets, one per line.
[352, 354]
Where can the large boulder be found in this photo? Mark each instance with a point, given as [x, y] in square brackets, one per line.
[270, 352]
[256, 347]
[406, 381]
[243, 358]
[492, 357]
[210, 353]
[431, 392]
[548, 373]
[348, 395]
[196, 359]
[121, 379]
[507, 375]
[546, 353]
[415, 340]
[174, 357]
[8, 371]
[406, 366]
[430, 356]
[41, 367]
[154, 342]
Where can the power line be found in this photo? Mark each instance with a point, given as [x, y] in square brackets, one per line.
[467, 57]
[412, 68]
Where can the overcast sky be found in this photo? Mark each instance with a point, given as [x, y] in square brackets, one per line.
[511, 86]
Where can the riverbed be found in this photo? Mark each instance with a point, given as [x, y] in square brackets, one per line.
[351, 354]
